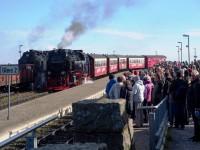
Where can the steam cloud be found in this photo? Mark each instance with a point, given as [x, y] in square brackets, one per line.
[36, 34]
[88, 14]
[75, 30]
[84, 14]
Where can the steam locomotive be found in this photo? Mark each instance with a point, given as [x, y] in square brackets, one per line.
[60, 69]
[66, 68]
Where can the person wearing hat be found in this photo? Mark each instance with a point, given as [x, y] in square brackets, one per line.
[138, 98]
[111, 82]
[114, 92]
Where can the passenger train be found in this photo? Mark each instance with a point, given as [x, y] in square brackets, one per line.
[60, 69]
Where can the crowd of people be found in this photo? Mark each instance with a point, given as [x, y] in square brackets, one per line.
[180, 82]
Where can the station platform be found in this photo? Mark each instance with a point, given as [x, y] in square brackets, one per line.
[180, 139]
[23, 115]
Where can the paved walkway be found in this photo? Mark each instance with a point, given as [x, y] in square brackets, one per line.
[21, 115]
[141, 137]
[179, 139]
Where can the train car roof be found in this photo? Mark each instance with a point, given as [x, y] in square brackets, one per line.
[97, 55]
[111, 56]
[7, 64]
[154, 56]
[122, 56]
[135, 56]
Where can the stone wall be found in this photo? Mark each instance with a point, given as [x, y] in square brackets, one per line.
[103, 121]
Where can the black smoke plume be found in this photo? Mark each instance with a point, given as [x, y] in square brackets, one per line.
[88, 13]
[84, 15]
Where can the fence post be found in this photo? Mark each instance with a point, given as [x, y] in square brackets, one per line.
[31, 141]
[152, 130]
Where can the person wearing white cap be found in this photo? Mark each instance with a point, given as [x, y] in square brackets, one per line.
[138, 98]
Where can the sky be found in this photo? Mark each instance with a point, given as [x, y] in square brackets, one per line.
[141, 27]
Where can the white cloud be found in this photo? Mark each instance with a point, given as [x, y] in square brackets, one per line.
[125, 34]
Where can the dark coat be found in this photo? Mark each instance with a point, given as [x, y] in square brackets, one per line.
[193, 98]
[166, 87]
[109, 85]
[179, 90]
[126, 92]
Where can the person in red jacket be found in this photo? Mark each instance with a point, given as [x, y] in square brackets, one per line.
[147, 94]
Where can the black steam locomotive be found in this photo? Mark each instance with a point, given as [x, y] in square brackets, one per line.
[33, 68]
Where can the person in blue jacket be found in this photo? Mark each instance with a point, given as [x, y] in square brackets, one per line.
[110, 84]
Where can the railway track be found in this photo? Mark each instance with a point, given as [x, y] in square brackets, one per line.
[18, 98]
[59, 131]
[3, 95]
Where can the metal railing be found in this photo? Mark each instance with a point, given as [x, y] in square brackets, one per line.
[32, 127]
[158, 124]
[14, 135]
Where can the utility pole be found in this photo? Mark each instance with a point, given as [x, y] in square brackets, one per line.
[188, 46]
[195, 54]
[20, 51]
[181, 49]
[178, 53]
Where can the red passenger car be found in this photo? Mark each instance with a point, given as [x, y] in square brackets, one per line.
[14, 80]
[112, 63]
[152, 60]
[122, 63]
[136, 62]
[98, 65]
